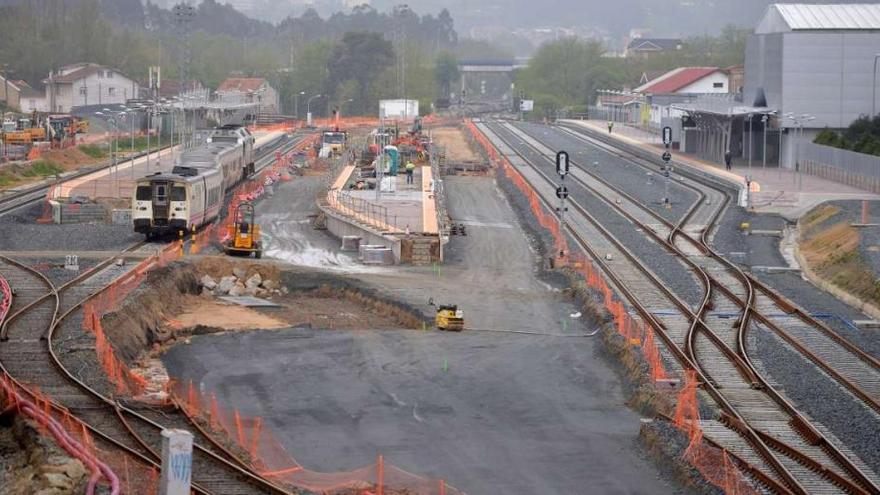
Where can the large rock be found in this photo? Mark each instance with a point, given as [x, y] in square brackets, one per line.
[270, 284]
[208, 282]
[254, 281]
[239, 272]
[252, 291]
[237, 290]
[226, 284]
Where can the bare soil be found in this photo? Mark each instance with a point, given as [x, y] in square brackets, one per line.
[222, 316]
[457, 147]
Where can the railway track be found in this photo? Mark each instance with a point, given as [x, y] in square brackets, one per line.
[28, 354]
[780, 447]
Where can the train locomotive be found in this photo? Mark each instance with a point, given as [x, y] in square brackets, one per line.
[192, 194]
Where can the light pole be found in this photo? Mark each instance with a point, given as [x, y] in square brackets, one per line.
[309, 109]
[341, 104]
[764, 119]
[874, 88]
[296, 103]
[751, 138]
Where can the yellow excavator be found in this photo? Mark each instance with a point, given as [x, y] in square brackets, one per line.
[244, 234]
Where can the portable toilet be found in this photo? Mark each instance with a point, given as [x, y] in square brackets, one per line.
[392, 153]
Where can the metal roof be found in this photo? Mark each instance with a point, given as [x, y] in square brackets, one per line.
[800, 16]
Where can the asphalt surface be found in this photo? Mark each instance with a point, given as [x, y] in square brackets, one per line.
[521, 402]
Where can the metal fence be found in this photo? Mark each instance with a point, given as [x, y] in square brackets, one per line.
[364, 211]
[847, 167]
[437, 157]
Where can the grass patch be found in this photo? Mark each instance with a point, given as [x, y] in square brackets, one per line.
[93, 150]
[42, 168]
[832, 251]
[7, 179]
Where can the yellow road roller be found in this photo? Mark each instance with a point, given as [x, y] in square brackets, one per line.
[450, 318]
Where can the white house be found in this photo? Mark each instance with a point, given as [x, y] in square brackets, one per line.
[245, 90]
[681, 84]
[87, 84]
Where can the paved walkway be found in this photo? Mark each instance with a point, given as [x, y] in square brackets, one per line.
[773, 190]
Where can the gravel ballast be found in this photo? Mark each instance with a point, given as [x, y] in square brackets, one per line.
[671, 271]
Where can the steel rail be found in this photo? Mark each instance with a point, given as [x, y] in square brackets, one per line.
[789, 483]
[787, 307]
[809, 432]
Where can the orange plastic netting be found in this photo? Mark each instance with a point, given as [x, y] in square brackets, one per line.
[713, 463]
[254, 440]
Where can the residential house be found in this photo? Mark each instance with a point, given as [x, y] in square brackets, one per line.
[87, 84]
[10, 93]
[646, 47]
[249, 90]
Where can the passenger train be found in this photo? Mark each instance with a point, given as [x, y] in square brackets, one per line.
[192, 194]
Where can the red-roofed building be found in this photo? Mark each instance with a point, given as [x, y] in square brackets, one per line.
[243, 90]
[687, 80]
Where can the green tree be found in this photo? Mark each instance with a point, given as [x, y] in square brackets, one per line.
[445, 72]
[360, 56]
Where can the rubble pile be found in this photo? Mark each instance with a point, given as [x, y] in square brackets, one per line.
[239, 283]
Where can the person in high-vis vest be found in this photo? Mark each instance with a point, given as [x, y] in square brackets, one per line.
[410, 168]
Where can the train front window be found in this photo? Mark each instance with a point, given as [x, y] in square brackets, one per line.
[178, 194]
[143, 193]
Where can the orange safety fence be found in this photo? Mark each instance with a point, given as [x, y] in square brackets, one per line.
[714, 464]
[255, 442]
[124, 381]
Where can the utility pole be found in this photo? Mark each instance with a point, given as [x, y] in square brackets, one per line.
[184, 15]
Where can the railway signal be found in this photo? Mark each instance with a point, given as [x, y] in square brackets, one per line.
[562, 164]
[667, 136]
[562, 167]
[562, 192]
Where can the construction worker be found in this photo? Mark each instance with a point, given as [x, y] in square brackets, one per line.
[410, 168]
[610, 126]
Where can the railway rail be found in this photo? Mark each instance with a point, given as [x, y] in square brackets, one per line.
[13, 201]
[30, 357]
[777, 445]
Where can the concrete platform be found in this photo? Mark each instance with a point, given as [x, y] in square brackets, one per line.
[404, 220]
[117, 181]
[773, 190]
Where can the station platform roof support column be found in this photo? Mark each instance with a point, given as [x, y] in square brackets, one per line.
[712, 126]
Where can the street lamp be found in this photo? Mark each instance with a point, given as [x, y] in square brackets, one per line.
[296, 103]
[309, 108]
[874, 88]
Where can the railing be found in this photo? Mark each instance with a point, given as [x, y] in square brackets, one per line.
[858, 170]
[437, 158]
[363, 211]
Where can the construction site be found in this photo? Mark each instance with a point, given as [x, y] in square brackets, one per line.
[441, 298]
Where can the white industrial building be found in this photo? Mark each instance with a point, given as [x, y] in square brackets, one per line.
[813, 66]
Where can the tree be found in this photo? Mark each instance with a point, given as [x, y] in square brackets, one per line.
[360, 56]
[445, 72]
